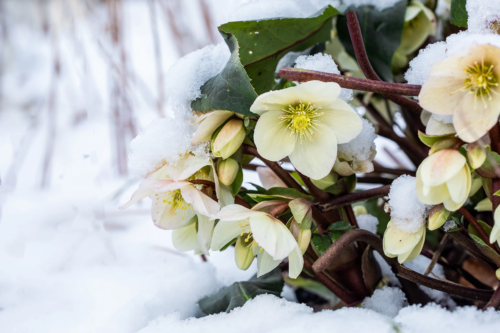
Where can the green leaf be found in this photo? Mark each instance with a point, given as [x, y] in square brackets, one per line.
[288, 192]
[259, 188]
[320, 243]
[458, 14]
[373, 209]
[430, 140]
[236, 185]
[497, 193]
[487, 170]
[486, 250]
[229, 90]
[264, 42]
[381, 30]
[313, 287]
[484, 225]
[340, 226]
[239, 293]
[302, 212]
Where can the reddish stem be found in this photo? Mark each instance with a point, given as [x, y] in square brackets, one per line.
[366, 67]
[477, 226]
[355, 197]
[279, 210]
[381, 87]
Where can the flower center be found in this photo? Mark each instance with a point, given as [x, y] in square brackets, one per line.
[249, 235]
[302, 120]
[176, 201]
[481, 79]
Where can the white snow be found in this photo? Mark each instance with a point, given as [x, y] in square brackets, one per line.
[378, 4]
[322, 63]
[367, 222]
[362, 146]
[449, 225]
[481, 15]
[419, 265]
[407, 212]
[387, 301]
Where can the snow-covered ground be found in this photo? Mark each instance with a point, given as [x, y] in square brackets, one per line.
[70, 261]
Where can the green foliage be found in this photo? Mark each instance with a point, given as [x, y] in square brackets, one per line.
[239, 293]
[320, 243]
[263, 43]
[381, 30]
[340, 226]
[236, 185]
[373, 209]
[458, 14]
[229, 90]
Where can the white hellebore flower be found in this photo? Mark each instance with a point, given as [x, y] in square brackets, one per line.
[404, 245]
[467, 88]
[495, 232]
[272, 241]
[444, 177]
[176, 201]
[305, 123]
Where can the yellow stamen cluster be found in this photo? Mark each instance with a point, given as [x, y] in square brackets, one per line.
[249, 237]
[176, 202]
[481, 80]
[302, 120]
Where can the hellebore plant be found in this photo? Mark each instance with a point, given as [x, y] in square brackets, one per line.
[303, 220]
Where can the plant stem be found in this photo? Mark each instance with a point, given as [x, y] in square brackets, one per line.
[355, 197]
[315, 192]
[374, 241]
[469, 245]
[381, 87]
[398, 172]
[366, 67]
[437, 254]
[477, 226]
[494, 302]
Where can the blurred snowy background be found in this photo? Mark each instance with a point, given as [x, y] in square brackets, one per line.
[78, 81]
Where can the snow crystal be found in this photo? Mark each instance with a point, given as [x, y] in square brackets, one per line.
[420, 66]
[163, 140]
[265, 9]
[268, 313]
[449, 225]
[322, 63]
[387, 301]
[407, 212]
[434, 319]
[379, 4]
[362, 146]
[419, 265]
[185, 77]
[482, 15]
[368, 222]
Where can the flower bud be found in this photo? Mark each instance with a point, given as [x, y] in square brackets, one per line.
[444, 177]
[227, 141]
[243, 252]
[227, 171]
[476, 155]
[497, 273]
[404, 245]
[302, 236]
[495, 232]
[359, 210]
[438, 216]
[325, 182]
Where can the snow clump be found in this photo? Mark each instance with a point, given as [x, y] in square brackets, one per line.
[363, 146]
[387, 301]
[367, 222]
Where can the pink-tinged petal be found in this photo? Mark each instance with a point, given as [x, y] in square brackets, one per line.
[316, 158]
[269, 178]
[268, 205]
[204, 236]
[272, 235]
[441, 167]
[146, 188]
[210, 122]
[342, 120]
[475, 116]
[272, 138]
[168, 215]
[315, 92]
[201, 202]
[235, 213]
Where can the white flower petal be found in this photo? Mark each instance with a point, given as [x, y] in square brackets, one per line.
[398, 242]
[475, 116]
[272, 235]
[343, 121]
[166, 216]
[316, 158]
[268, 178]
[184, 239]
[295, 263]
[226, 231]
[204, 236]
[201, 202]
[410, 255]
[210, 123]
[431, 195]
[441, 95]
[495, 232]
[235, 213]
[315, 92]
[265, 263]
[274, 142]
[441, 167]
[457, 186]
[146, 188]
[187, 166]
